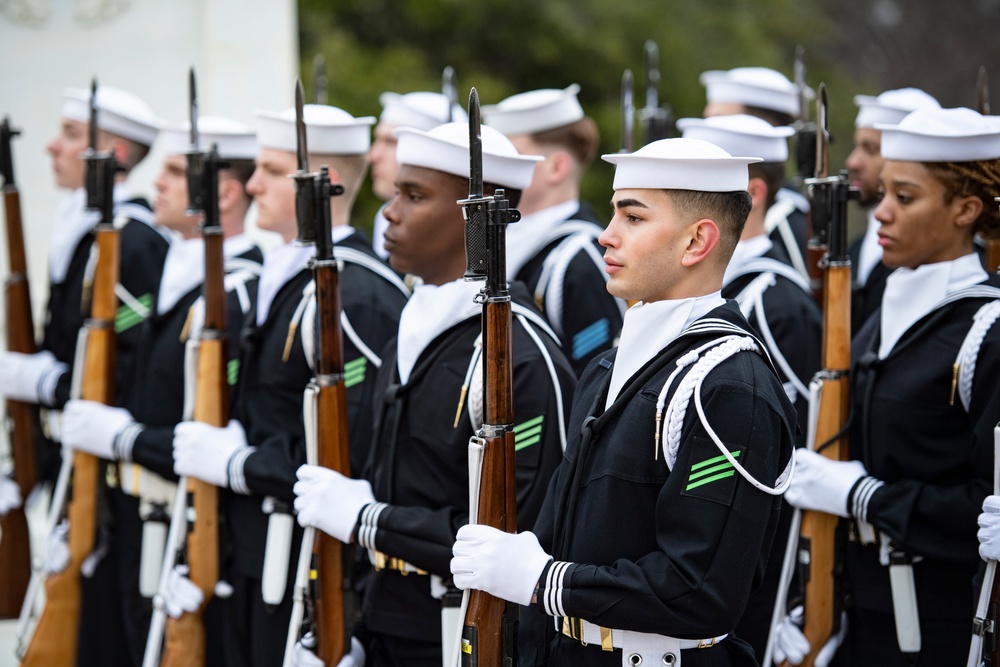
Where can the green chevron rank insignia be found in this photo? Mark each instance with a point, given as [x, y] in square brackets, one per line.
[127, 317]
[711, 477]
[528, 433]
[354, 372]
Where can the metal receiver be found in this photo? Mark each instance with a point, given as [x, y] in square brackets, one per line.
[6, 158]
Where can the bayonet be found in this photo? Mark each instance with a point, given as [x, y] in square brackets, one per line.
[319, 78]
[983, 92]
[628, 112]
[195, 156]
[656, 121]
[449, 88]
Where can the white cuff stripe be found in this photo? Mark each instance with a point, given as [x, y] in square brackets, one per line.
[368, 524]
[552, 600]
[237, 476]
[47, 384]
[125, 441]
[863, 495]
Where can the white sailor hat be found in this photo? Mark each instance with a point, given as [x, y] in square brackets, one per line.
[118, 112]
[420, 110]
[680, 164]
[235, 140]
[891, 106]
[535, 111]
[446, 148]
[740, 134]
[942, 135]
[753, 86]
[329, 130]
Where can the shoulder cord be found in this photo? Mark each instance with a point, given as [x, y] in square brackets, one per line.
[752, 297]
[690, 386]
[306, 314]
[965, 362]
[779, 219]
[549, 290]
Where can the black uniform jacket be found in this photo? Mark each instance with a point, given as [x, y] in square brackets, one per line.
[653, 550]
[269, 394]
[935, 458]
[419, 463]
[591, 318]
[155, 394]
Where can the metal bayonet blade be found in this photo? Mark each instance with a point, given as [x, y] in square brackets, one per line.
[301, 149]
[475, 148]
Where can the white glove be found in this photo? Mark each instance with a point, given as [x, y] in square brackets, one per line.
[791, 645]
[29, 377]
[57, 549]
[181, 595]
[503, 564]
[304, 657]
[10, 495]
[327, 500]
[822, 484]
[203, 452]
[989, 529]
[91, 427]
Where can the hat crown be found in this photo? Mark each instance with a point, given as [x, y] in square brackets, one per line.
[740, 134]
[457, 133]
[942, 135]
[235, 140]
[535, 111]
[681, 164]
[422, 109]
[119, 112]
[329, 130]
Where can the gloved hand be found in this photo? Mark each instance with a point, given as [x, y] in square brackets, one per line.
[822, 484]
[91, 427]
[791, 645]
[327, 500]
[10, 495]
[503, 564]
[29, 377]
[304, 656]
[203, 451]
[989, 529]
[181, 595]
[57, 549]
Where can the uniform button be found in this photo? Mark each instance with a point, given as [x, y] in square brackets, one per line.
[635, 659]
[669, 659]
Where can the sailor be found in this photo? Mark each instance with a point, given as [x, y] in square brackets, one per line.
[924, 402]
[127, 126]
[255, 457]
[657, 524]
[775, 300]
[864, 165]
[415, 493]
[554, 249]
[767, 94]
[420, 111]
[138, 436]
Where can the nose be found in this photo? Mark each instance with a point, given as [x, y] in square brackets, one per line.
[253, 185]
[390, 212]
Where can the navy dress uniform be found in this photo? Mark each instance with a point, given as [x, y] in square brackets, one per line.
[656, 526]
[925, 401]
[415, 491]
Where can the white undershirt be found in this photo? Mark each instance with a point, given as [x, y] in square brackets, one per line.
[528, 236]
[430, 311]
[870, 252]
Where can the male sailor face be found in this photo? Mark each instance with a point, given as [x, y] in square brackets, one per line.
[66, 150]
[383, 159]
[865, 163]
[172, 198]
[650, 245]
[919, 225]
[426, 235]
[274, 192]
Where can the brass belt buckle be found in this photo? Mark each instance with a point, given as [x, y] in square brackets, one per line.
[703, 644]
[573, 627]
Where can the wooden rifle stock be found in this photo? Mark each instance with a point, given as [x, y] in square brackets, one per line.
[184, 643]
[54, 641]
[15, 547]
[490, 623]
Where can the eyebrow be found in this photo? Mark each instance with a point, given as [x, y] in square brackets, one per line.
[626, 203]
[899, 183]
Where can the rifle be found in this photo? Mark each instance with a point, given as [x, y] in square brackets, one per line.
[55, 638]
[185, 636]
[325, 412]
[820, 205]
[15, 547]
[490, 624]
[657, 122]
[805, 131]
[983, 105]
[985, 647]
[820, 539]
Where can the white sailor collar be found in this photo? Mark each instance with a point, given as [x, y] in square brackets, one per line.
[910, 294]
[869, 252]
[184, 267]
[745, 251]
[528, 236]
[430, 311]
[648, 329]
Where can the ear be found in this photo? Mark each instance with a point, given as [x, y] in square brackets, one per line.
[230, 193]
[967, 210]
[120, 149]
[758, 191]
[704, 237]
[559, 167]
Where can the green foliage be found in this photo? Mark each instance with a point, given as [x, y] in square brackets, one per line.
[507, 46]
